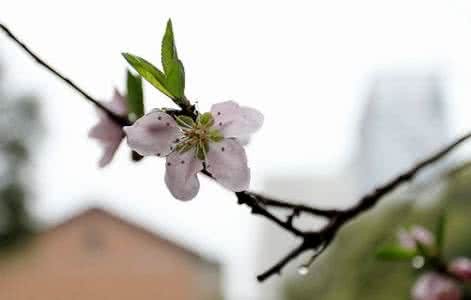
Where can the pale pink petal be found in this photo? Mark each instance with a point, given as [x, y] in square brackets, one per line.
[119, 104]
[433, 286]
[422, 235]
[153, 134]
[109, 135]
[416, 234]
[461, 267]
[227, 163]
[236, 121]
[180, 174]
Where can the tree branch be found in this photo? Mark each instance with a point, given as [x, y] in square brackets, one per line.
[118, 119]
[317, 241]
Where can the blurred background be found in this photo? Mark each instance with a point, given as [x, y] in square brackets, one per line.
[352, 93]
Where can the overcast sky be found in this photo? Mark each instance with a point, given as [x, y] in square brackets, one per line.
[306, 65]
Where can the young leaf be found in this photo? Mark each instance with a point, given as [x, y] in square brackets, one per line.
[395, 253]
[176, 80]
[135, 96]
[169, 50]
[149, 72]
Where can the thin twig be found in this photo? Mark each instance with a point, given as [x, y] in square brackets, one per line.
[318, 240]
[118, 119]
[328, 233]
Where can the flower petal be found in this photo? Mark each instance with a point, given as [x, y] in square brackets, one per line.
[109, 135]
[180, 175]
[227, 163]
[234, 120]
[153, 134]
[433, 286]
[461, 268]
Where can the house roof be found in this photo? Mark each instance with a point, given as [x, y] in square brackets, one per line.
[138, 228]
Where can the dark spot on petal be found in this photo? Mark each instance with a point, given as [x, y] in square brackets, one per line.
[219, 113]
[177, 140]
[222, 149]
[220, 123]
[182, 162]
[158, 154]
[167, 124]
[169, 164]
[171, 148]
[159, 118]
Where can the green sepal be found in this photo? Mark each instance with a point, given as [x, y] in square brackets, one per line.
[135, 96]
[201, 151]
[215, 135]
[184, 147]
[205, 119]
[185, 121]
[395, 253]
[149, 72]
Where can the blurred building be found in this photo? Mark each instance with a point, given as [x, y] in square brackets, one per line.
[404, 121]
[96, 255]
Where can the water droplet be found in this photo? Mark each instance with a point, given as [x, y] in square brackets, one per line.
[418, 262]
[303, 270]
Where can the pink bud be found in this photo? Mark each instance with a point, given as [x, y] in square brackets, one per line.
[417, 234]
[461, 267]
[433, 286]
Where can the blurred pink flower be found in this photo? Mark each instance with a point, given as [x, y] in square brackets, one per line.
[433, 286]
[214, 142]
[408, 239]
[461, 267]
[106, 131]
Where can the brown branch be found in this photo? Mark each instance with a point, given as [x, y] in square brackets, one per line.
[322, 238]
[118, 119]
[317, 241]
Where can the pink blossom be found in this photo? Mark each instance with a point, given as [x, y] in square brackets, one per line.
[433, 286]
[213, 143]
[107, 132]
[461, 267]
[416, 234]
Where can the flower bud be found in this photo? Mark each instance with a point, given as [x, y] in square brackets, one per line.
[433, 286]
[461, 267]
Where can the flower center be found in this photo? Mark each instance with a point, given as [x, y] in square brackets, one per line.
[197, 135]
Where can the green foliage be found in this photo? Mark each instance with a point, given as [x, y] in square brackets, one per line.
[172, 65]
[135, 96]
[149, 72]
[395, 253]
[440, 231]
[171, 81]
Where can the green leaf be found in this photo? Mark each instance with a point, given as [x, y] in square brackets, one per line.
[135, 96]
[176, 80]
[185, 121]
[440, 230]
[395, 253]
[149, 72]
[169, 50]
